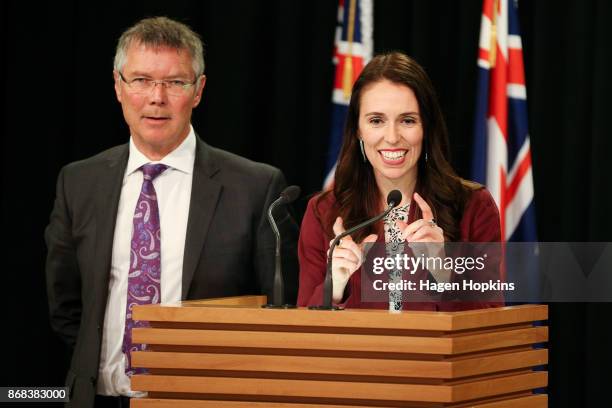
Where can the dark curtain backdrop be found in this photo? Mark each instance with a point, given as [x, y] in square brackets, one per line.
[268, 98]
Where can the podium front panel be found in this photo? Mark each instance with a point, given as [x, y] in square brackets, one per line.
[232, 353]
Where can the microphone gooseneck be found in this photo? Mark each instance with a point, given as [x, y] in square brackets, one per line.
[394, 198]
[287, 196]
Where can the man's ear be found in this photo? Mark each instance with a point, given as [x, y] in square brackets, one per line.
[117, 80]
[199, 89]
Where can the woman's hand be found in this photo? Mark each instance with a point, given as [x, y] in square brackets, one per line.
[424, 229]
[347, 258]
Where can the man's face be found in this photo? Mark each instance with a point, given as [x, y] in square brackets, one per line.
[158, 121]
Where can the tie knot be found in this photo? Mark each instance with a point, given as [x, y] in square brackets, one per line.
[151, 171]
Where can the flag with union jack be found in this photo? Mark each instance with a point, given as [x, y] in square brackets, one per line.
[352, 51]
[502, 152]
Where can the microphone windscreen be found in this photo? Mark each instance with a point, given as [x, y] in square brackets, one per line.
[394, 198]
[291, 193]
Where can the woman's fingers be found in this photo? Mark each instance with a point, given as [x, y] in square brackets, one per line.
[369, 239]
[348, 254]
[428, 233]
[401, 225]
[422, 230]
[338, 229]
[425, 208]
[412, 228]
[341, 263]
[338, 226]
[346, 243]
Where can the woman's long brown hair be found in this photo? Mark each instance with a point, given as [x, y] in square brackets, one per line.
[356, 192]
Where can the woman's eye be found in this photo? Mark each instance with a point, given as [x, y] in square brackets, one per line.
[410, 121]
[376, 121]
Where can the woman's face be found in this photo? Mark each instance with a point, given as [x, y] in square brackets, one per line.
[391, 128]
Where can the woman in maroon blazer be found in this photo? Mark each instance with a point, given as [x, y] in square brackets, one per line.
[395, 138]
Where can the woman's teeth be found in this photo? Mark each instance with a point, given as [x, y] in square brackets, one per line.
[393, 155]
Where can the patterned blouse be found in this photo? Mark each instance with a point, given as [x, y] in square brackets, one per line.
[395, 245]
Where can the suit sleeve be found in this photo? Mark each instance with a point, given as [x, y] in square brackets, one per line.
[62, 273]
[266, 243]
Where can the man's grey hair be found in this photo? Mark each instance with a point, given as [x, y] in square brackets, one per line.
[158, 32]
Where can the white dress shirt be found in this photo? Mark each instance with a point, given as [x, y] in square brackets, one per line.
[173, 188]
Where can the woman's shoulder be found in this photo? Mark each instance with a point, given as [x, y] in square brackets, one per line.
[321, 202]
[316, 217]
[480, 221]
[478, 196]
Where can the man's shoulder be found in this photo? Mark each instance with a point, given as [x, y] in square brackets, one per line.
[101, 159]
[232, 164]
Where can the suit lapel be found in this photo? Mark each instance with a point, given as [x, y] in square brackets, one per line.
[204, 197]
[107, 203]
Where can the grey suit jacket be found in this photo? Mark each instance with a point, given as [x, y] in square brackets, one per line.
[229, 247]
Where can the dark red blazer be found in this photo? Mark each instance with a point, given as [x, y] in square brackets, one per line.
[480, 223]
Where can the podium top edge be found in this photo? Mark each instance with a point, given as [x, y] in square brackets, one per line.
[206, 313]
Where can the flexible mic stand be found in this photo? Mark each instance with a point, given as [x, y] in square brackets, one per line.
[278, 294]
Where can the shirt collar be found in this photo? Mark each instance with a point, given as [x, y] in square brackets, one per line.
[181, 158]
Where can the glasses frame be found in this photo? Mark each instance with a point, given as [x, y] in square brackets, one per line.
[164, 82]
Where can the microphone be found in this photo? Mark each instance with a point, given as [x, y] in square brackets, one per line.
[393, 200]
[287, 196]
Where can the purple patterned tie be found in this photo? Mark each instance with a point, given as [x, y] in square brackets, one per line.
[144, 279]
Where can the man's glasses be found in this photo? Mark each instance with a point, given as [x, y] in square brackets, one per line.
[174, 87]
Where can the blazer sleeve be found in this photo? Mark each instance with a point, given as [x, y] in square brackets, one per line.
[62, 272]
[312, 253]
[265, 243]
[481, 233]
[311, 256]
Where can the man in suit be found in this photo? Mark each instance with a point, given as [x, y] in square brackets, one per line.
[164, 217]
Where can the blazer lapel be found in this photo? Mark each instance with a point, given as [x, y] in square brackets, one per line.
[107, 203]
[204, 197]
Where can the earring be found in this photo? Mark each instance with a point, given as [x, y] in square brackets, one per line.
[362, 150]
[425, 157]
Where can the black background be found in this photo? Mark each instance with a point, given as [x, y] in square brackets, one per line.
[267, 97]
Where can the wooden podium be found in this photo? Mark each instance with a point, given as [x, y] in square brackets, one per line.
[232, 353]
